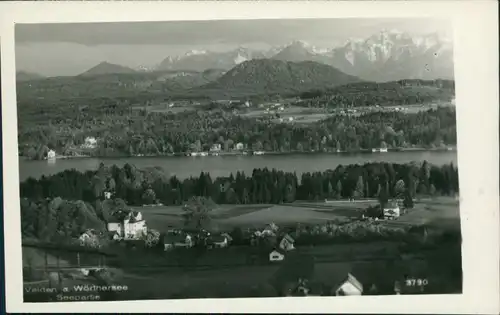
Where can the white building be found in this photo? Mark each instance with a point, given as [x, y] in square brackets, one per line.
[276, 255]
[286, 243]
[89, 238]
[350, 286]
[216, 147]
[239, 146]
[90, 143]
[51, 155]
[128, 225]
[392, 211]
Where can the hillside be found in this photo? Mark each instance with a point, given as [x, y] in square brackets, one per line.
[395, 93]
[107, 68]
[264, 76]
[27, 76]
[121, 85]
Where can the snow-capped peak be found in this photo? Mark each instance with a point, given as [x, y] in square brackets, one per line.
[239, 59]
[196, 52]
[143, 68]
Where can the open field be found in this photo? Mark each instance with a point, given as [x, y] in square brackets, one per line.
[166, 109]
[439, 212]
[298, 114]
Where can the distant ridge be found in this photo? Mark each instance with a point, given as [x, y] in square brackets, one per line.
[28, 76]
[107, 68]
[262, 76]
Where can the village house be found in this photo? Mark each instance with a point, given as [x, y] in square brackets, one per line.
[349, 286]
[89, 238]
[90, 143]
[391, 210]
[224, 184]
[51, 155]
[218, 241]
[286, 243]
[239, 146]
[181, 240]
[216, 147]
[276, 255]
[128, 225]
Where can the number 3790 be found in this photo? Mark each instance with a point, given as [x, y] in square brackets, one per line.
[416, 282]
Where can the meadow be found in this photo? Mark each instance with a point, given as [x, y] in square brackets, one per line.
[442, 212]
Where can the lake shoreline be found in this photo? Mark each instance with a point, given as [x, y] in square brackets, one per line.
[224, 165]
[251, 153]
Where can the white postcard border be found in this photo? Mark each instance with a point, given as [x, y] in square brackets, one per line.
[476, 73]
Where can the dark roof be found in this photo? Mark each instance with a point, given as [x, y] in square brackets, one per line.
[288, 238]
[133, 220]
[391, 204]
[118, 216]
[216, 238]
[350, 278]
[114, 219]
[279, 250]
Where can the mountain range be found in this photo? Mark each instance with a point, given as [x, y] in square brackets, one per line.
[384, 56]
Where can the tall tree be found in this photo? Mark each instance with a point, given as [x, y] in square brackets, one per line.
[197, 213]
[359, 191]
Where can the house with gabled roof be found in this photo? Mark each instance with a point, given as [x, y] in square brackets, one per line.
[276, 255]
[89, 238]
[217, 241]
[287, 242]
[349, 286]
[128, 225]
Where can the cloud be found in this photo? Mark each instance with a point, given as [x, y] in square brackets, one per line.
[219, 32]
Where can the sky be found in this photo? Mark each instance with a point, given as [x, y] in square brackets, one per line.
[69, 49]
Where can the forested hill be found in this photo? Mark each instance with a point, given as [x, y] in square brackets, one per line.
[107, 68]
[264, 76]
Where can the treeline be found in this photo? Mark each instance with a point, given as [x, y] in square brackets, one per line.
[57, 220]
[121, 132]
[152, 185]
[404, 92]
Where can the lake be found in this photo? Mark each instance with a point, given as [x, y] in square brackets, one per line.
[223, 165]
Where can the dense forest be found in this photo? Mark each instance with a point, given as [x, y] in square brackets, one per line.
[404, 92]
[152, 185]
[121, 132]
